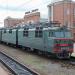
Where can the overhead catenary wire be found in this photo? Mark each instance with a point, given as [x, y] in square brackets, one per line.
[23, 6]
[40, 4]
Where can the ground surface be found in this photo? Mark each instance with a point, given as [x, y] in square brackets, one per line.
[4, 70]
[40, 64]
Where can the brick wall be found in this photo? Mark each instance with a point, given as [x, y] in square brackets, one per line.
[11, 22]
[33, 17]
[64, 12]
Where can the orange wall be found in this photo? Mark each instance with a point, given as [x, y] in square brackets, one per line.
[64, 13]
[35, 17]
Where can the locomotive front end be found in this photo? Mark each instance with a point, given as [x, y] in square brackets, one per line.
[63, 47]
[63, 44]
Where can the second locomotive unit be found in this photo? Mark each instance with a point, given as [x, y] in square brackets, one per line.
[48, 40]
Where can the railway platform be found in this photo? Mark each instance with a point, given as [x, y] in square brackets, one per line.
[2, 71]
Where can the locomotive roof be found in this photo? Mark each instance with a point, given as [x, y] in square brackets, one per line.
[44, 28]
[47, 28]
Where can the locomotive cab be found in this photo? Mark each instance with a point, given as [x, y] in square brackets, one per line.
[63, 47]
[63, 43]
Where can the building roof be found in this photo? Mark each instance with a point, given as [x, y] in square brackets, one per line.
[10, 18]
[32, 14]
[62, 1]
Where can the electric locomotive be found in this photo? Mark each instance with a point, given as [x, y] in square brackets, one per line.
[48, 40]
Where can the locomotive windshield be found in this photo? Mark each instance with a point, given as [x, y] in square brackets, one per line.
[65, 34]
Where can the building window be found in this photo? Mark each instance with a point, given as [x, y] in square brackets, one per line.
[10, 30]
[5, 31]
[73, 24]
[25, 32]
[66, 11]
[74, 12]
[39, 32]
[66, 23]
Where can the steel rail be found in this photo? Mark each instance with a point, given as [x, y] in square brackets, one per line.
[15, 67]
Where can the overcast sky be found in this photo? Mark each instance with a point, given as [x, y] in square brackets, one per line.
[17, 8]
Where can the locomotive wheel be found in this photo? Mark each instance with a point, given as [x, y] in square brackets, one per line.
[39, 52]
[32, 49]
[60, 56]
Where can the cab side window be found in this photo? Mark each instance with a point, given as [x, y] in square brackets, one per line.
[51, 34]
[39, 32]
[10, 30]
[5, 31]
[25, 32]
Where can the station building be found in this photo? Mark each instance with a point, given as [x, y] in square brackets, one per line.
[34, 17]
[63, 12]
[12, 22]
[30, 17]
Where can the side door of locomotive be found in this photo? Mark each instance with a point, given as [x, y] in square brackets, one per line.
[50, 40]
[45, 39]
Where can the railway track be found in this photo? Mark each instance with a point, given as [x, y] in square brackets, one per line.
[68, 63]
[15, 67]
[72, 60]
